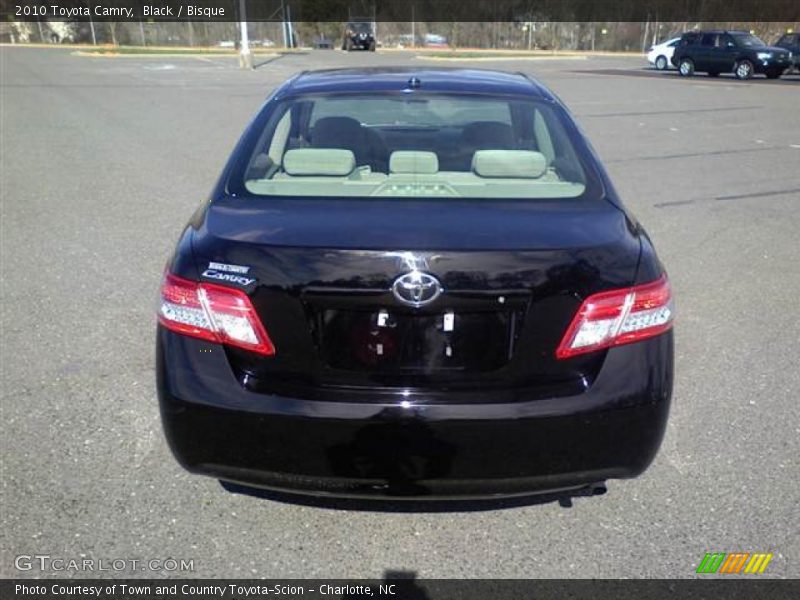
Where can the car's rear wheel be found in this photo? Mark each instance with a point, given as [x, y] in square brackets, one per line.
[686, 67]
[744, 69]
[661, 63]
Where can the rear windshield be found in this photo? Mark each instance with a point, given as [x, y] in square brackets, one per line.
[360, 27]
[414, 144]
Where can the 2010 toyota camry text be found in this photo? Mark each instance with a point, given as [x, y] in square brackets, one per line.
[415, 284]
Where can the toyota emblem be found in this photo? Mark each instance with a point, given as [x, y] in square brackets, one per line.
[416, 288]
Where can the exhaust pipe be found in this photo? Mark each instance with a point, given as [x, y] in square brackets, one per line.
[598, 489]
[593, 489]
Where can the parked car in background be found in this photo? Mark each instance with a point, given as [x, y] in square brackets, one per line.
[405, 40]
[791, 42]
[415, 284]
[660, 55]
[359, 35]
[737, 52]
[433, 40]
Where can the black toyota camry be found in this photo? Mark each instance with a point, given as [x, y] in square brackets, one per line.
[415, 284]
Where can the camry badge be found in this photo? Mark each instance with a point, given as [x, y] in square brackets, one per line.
[228, 273]
[416, 288]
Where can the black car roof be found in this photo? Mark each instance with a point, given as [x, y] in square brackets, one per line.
[483, 81]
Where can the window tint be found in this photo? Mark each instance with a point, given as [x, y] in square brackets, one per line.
[377, 111]
[439, 145]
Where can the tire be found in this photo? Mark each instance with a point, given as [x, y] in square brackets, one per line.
[686, 67]
[743, 70]
[713, 73]
[774, 74]
[662, 63]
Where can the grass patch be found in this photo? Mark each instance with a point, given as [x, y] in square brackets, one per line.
[161, 50]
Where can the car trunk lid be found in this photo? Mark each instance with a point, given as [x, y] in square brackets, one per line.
[323, 272]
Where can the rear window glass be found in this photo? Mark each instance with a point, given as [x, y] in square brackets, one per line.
[360, 27]
[414, 144]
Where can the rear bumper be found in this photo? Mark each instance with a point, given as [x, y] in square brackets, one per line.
[468, 451]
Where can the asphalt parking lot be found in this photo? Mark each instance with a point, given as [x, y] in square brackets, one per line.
[104, 159]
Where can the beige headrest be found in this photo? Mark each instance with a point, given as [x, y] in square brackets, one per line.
[525, 164]
[412, 161]
[319, 161]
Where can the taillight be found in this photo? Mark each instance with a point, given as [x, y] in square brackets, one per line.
[619, 317]
[212, 312]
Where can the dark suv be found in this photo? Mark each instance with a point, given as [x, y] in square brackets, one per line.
[791, 42]
[359, 35]
[739, 52]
